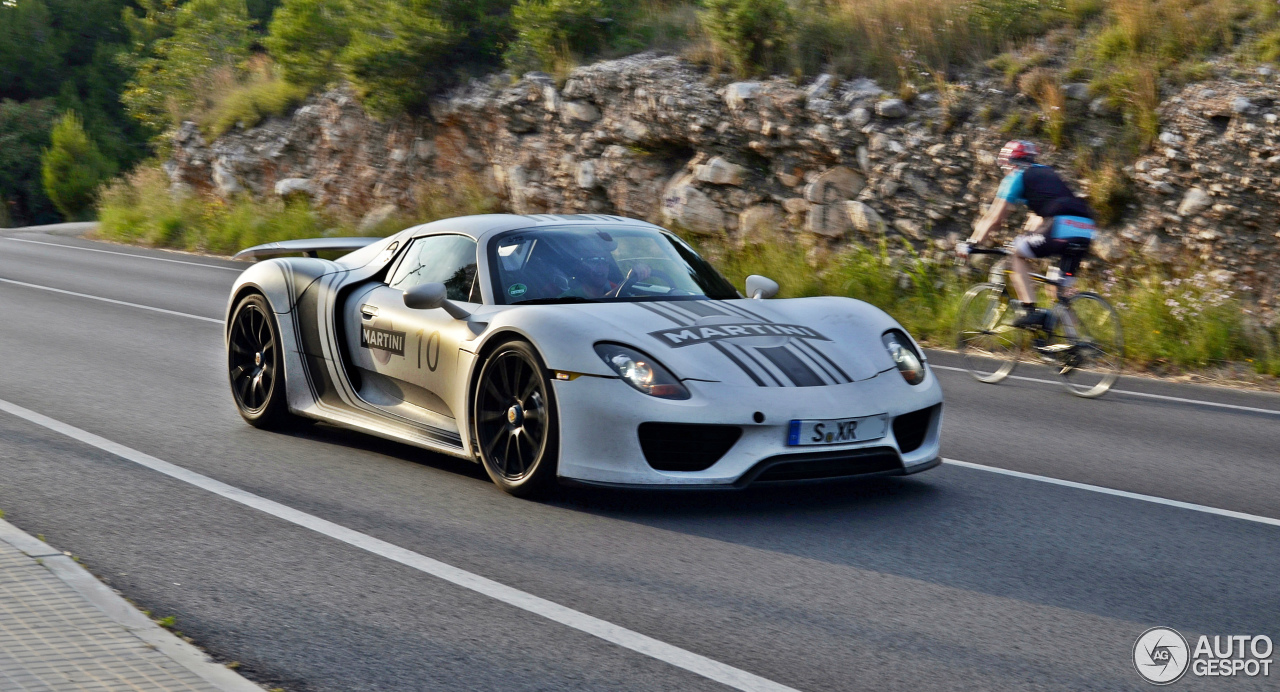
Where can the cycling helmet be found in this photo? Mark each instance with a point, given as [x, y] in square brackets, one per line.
[1018, 152]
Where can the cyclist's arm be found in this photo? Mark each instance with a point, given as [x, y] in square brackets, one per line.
[995, 217]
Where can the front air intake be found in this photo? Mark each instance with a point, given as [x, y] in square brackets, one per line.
[911, 428]
[848, 463]
[684, 446]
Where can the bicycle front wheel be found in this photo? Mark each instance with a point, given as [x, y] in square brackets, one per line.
[1090, 344]
[985, 335]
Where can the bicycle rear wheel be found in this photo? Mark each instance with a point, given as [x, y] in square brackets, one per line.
[1089, 343]
[985, 335]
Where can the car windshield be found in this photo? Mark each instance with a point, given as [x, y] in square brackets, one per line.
[566, 264]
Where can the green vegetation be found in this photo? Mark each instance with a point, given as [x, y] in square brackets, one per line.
[140, 208]
[753, 33]
[73, 167]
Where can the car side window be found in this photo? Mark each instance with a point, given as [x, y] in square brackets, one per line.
[446, 259]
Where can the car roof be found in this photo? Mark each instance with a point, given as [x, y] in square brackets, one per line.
[482, 226]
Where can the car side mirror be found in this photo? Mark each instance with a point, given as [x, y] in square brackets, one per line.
[431, 296]
[759, 287]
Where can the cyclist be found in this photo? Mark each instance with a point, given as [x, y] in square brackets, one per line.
[1060, 223]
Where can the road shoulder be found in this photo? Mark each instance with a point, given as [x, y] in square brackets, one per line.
[60, 627]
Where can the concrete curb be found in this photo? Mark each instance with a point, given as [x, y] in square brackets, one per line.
[124, 614]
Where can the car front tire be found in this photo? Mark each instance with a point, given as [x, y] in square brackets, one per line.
[516, 424]
[255, 364]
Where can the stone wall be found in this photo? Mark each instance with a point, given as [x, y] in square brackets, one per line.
[822, 164]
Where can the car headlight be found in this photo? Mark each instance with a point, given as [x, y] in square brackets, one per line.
[904, 356]
[642, 372]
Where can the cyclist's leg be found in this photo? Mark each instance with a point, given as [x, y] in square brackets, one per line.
[1026, 247]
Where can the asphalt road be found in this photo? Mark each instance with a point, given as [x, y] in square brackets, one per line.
[958, 578]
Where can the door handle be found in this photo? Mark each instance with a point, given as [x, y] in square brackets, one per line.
[369, 311]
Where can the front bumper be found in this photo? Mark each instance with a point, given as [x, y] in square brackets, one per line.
[600, 417]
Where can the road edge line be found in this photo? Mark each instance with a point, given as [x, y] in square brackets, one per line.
[625, 638]
[1130, 392]
[123, 613]
[110, 300]
[125, 254]
[1256, 518]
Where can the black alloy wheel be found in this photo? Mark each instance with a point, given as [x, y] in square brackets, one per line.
[516, 425]
[254, 362]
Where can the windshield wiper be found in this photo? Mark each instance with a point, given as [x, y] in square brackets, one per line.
[553, 301]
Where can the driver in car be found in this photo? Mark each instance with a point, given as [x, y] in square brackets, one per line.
[594, 265]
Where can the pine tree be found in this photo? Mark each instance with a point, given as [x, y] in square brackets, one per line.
[73, 167]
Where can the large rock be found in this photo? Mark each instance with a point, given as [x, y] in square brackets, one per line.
[224, 181]
[378, 216]
[718, 171]
[835, 185]
[820, 87]
[828, 221]
[295, 186]
[891, 108]
[578, 111]
[760, 224]
[683, 204]
[1194, 202]
[864, 218]
[586, 174]
[737, 94]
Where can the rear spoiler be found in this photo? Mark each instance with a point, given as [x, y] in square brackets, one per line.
[307, 246]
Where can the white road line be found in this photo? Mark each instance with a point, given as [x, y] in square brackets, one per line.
[109, 300]
[1130, 392]
[628, 639]
[126, 254]
[1118, 493]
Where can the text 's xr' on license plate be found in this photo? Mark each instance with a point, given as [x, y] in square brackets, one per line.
[835, 431]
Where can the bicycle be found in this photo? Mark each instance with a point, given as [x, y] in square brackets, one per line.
[1082, 336]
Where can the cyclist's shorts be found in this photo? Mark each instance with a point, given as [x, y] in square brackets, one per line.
[1072, 250]
[1066, 227]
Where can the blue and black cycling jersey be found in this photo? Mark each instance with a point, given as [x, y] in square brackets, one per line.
[1045, 193]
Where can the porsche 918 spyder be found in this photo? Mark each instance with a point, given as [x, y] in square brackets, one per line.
[590, 349]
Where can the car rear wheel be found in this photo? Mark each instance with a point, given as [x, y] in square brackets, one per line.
[515, 421]
[255, 364]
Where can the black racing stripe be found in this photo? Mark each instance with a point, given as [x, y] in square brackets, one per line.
[745, 312]
[802, 344]
[752, 355]
[818, 355]
[814, 364]
[674, 315]
[743, 366]
[652, 308]
[701, 308]
[794, 368]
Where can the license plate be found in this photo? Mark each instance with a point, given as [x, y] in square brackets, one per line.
[836, 431]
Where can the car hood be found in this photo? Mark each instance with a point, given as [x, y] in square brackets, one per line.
[800, 342]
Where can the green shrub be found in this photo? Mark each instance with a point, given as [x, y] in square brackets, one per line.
[1042, 86]
[307, 38]
[1110, 191]
[72, 168]
[260, 94]
[140, 208]
[753, 33]
[553, 33]
[203, 40]
[398, 58]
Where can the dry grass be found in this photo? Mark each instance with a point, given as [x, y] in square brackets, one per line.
[1043, 87]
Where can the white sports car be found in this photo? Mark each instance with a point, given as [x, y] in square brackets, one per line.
[592, 349]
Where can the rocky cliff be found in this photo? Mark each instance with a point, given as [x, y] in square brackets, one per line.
[822, 164]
